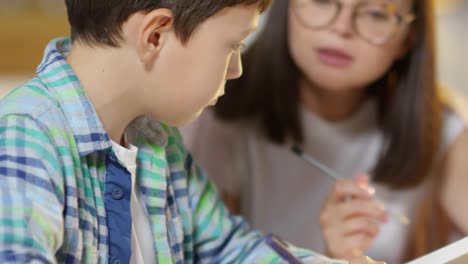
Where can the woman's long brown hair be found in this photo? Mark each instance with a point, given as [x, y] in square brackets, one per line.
[409, 109]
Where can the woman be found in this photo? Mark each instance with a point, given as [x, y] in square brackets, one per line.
[352, 84]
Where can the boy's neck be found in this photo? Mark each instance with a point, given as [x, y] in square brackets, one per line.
[105, 76]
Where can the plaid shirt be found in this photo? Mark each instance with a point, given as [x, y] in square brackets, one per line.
[65, 197]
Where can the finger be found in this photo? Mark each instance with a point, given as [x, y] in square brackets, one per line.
[362, 178]
[336, 232]
[348, 247]
[355, 208]
[364, 260]
[362, 181]
[364, 225]
[350, 188]
[334, 215]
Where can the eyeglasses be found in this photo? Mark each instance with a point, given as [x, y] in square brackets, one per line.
[374, 21]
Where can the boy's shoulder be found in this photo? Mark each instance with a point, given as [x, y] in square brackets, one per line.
[31, 99]
[31, 112]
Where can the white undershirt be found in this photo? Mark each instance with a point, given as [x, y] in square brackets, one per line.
[142, 238]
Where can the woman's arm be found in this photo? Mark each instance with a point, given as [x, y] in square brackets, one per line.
[454, 192]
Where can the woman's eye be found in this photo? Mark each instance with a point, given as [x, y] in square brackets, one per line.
[378, 15]
[322, 2]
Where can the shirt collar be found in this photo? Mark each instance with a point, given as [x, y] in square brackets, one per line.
[59, 78]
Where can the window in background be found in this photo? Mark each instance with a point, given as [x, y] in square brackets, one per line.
[26, 26]
[452, 20]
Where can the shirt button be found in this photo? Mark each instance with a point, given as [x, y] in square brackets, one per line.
[112, 158]
[117, 194]
[116, 261]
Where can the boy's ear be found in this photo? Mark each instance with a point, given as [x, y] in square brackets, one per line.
[153, 32]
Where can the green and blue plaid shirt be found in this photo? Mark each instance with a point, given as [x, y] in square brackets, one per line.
[65, 197]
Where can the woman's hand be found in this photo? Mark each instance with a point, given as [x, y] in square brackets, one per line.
[360, 260]
[364, 260]
[350, 218]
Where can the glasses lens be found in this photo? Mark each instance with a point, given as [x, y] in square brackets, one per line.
[316, 13]
[376, 22]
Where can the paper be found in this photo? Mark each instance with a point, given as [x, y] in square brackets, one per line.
[455, 253]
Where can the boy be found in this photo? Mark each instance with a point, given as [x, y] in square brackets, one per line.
[76, 186]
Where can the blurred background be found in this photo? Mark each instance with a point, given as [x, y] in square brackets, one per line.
[26, 26]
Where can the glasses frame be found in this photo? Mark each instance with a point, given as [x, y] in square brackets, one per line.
[407, 18]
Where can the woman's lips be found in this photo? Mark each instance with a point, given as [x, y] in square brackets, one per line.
[334, 57]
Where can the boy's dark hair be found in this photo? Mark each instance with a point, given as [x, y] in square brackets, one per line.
[100, 21]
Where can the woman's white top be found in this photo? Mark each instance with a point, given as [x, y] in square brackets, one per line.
[282, 193]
